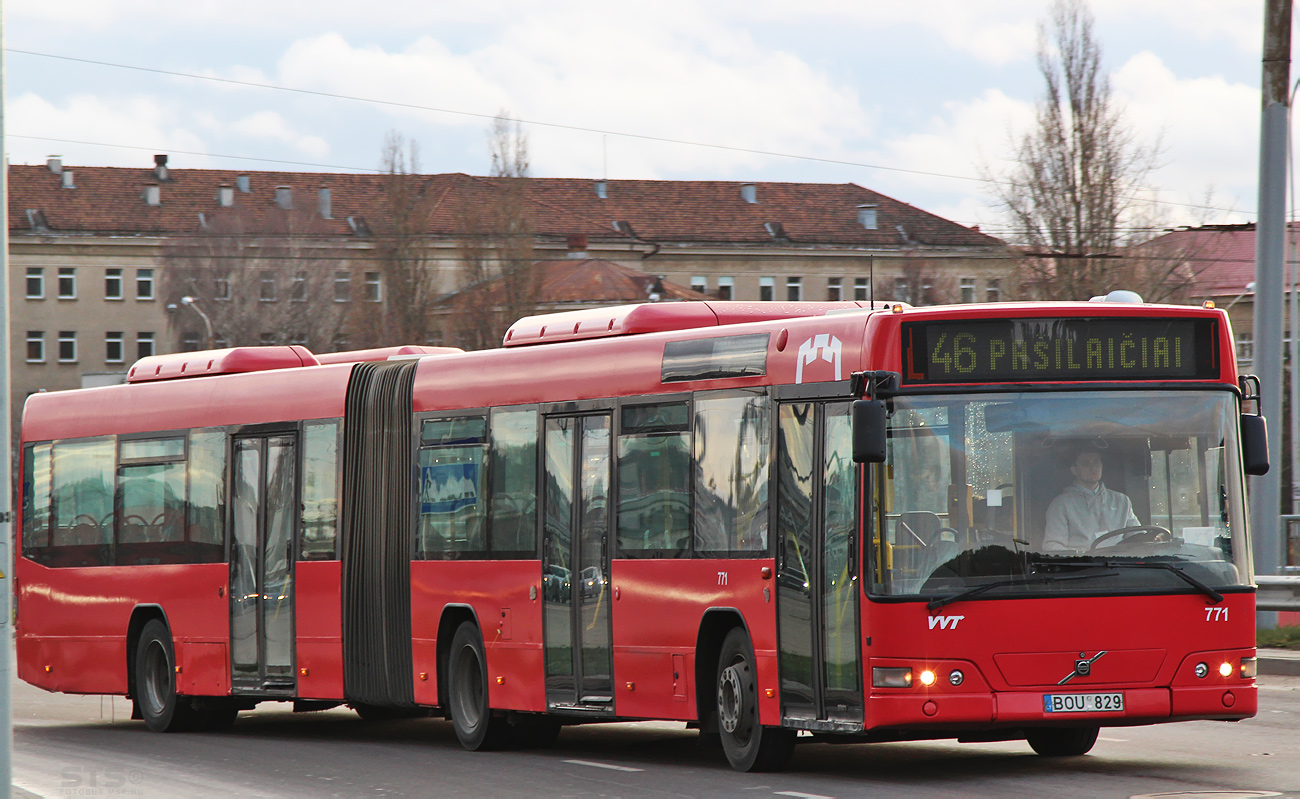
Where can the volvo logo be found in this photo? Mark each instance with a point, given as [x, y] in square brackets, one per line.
[1082, 666]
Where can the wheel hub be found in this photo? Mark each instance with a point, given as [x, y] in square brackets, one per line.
[729, 699]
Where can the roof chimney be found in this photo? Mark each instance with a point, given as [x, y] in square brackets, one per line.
[284, 196]
[242, 183]
[323, 201]
[577, 245]
[160, 166]
[602, 189]
[55, 163]
[152, 194]
[225, 195]
[67, 179]
[749, 192]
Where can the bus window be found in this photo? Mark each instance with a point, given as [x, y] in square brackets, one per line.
[82, 503]
[513, 532]
[151, 487]
[733, 453]
[452, 457]
[205, 526]
[320, 468]
[36, 499]
[654, 470]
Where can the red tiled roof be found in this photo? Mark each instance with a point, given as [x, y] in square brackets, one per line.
[110, 200]
[1222, 256]
[593, 281]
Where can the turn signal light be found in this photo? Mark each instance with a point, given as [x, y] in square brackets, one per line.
[1249, 667]
[889, 677]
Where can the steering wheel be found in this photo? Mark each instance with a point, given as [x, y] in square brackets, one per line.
[1149, 533]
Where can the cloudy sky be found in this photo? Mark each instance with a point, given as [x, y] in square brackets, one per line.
[865, 91]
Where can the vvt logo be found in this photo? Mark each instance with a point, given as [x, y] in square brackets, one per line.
[945, 622]
[824, 345]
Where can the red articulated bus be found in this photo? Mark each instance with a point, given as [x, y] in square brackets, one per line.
[1011, 521]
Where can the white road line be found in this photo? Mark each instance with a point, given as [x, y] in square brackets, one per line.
[798, 795]
[1112, 740]
[609, 766]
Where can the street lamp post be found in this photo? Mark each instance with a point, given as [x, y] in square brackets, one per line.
[192, 303]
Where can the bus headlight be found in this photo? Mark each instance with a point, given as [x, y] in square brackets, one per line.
[1225, 669]
[889, 677]
[927, 678]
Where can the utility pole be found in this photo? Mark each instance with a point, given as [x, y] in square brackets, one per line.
[1270, 252]
[7, 525]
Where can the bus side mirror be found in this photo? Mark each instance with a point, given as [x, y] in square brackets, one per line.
[1254, 444]
[869, 431]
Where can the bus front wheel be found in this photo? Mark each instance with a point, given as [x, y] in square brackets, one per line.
[467, 693]
[749, 745]
[1058, 742]
[155, 681]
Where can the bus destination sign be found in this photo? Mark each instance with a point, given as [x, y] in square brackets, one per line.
[1055, 348]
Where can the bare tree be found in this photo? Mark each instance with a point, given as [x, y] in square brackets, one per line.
[260, 279]
[400, 314]
[497, 241]
[1073, 198]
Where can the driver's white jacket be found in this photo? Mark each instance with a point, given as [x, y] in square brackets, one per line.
[1079, 515]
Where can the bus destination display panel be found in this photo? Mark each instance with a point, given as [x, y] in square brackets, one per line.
[1018, 350]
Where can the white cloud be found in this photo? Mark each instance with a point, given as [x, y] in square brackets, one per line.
[139, 122]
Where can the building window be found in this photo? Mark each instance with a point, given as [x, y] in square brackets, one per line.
[968, 289]
[221, 344]
[67, 346]
[342, 286]
[299, 339]
[36, 346]
[144, 284]
[726, 287]
[1245, 350]
[35, 282]
[221, 288]
[700, 283]
[67, 282]
[266, 292]
[190, 342]
[862, 289]
[113, 284]
[114, 347]
[766, 289]
[267, 340]
[993, 290]
[867, 217]
[339, 344]
[371, 287]
[794, 289]
[143, 345]
[834, 293]
[902, 290]
[298, 292]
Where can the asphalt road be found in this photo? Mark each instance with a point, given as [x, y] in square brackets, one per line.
[73, 746]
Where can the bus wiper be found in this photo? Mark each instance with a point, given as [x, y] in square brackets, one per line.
[935, 604]
[1214, 596]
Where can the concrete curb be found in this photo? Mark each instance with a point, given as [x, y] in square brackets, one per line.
[1279, 662]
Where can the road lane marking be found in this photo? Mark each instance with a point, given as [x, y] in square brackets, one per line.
[609, 766]
[1112, 740]
[798, 795]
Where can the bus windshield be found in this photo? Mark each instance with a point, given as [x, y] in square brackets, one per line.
[995, 495]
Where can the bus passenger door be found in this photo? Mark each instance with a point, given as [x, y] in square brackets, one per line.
[264, 505]
[817, 584]
[575, 564]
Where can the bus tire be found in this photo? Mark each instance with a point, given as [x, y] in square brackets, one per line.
[1062, 742]
[467, 693]
[749, 746]
[155, 681]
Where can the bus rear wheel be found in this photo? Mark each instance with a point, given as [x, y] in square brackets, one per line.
[1062, 742]
[155, 681]
[467, 693]
[749, 745]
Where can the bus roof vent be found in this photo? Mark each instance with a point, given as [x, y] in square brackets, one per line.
[219, 362]
[1119, 295]
[626, 320]
[385, 354]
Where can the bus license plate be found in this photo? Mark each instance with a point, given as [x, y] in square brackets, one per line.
[1083, 703]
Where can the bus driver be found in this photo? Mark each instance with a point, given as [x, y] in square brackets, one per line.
[1086, 508]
